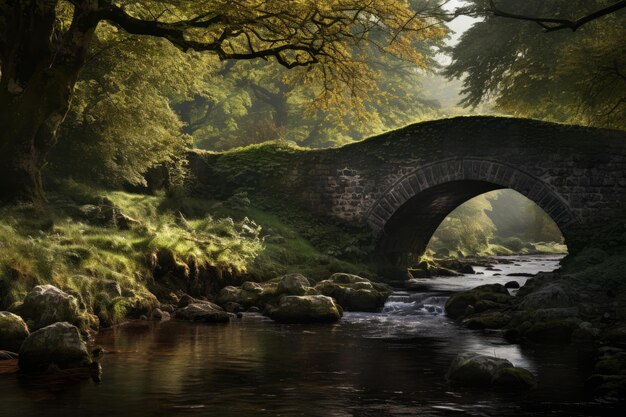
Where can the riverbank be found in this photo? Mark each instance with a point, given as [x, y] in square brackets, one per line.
[118, 253]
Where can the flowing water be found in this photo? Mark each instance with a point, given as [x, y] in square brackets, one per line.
[390, 363]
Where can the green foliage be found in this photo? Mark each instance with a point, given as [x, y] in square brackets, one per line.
[267, 103]
[140, 101]
[121, 123]
[497, 223]
[561, 76]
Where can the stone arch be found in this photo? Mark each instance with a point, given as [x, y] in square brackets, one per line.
[409, 211]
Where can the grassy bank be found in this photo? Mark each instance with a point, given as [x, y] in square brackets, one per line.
[90, 240]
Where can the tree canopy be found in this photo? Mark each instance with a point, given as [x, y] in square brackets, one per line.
[140, 101]
[563, 76]
[44, 46]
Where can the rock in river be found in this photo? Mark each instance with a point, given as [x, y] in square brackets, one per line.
[202, 311]
[59, 344]
[306, 309]
[13, 331]
[460, 304]
[481, 370]
[354, 293]
[293, 284]
[46, 304]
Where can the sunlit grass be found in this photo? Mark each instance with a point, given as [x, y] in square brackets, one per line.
[65, 248]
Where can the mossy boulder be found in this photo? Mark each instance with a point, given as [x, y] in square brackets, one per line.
[514, 379]
[229, 294]
[306, 309]
[293, 284]
[59, 344]
[47, 304]
[550, 295]
[486, 305]
[251, 293]
[202, 311]
[487, 320]
[354, 293]
[552, 331]
[457, 305]
[13, 331]
[474, 369]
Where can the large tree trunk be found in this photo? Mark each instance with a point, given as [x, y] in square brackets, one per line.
[39, 70]
[29, 124]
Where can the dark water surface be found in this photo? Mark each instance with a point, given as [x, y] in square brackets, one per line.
[385, 364]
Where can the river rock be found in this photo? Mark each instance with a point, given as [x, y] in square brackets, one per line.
[487, 320]
[58, 344]
[354, 293]
[229, 294]
[547, 295]
[251, 293]
[205, 312]
[158, 314]
[47, 304]
[458, 303]
[234, 308]
[482, 370]
[186, 299]
[552, 331]
[512, 284]
[293, 284]
[13, 331]
[514, 379]
[475, 369]
[306, 309]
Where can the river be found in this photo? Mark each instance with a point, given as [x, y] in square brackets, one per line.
[370, 364]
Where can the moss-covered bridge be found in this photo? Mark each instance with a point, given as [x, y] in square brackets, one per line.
[402, 184]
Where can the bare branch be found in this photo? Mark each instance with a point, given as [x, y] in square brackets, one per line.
[554, 24]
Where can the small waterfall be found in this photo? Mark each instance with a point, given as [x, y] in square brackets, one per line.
[414, 304]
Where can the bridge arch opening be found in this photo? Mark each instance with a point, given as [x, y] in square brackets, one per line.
[409, 212]
[501, 222]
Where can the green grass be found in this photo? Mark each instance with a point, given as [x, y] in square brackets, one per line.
[71, 250]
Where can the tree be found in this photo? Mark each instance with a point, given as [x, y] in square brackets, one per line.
[44, 44]
[291, 104]
[121, 122]
[567, 77]
[267, 102]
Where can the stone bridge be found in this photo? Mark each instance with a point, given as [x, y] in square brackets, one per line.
[402, 184]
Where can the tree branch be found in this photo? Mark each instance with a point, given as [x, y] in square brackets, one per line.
[175, 32]
[554, 24]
